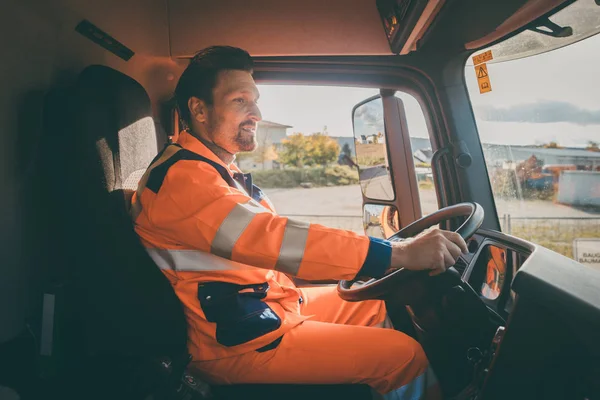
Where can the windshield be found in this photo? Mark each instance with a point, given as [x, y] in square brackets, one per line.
[540, 131]
[576, 22]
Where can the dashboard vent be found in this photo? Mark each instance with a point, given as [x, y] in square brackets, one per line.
[461, 265]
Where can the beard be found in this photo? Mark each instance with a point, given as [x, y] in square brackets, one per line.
[246, 141]
[240, 141]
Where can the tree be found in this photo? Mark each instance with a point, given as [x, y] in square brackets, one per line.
[262, 154]
[592, 146]
[300, 150]
[552, 145]
[295, 150]
[346, 150]
[322, 149]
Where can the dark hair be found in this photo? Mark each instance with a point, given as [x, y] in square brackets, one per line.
[200, 76]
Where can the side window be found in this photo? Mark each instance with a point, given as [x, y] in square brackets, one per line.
[305, 159]
[422, 151]
[380, 155]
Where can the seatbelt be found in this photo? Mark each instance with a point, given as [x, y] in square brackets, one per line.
[239, 179]
[185, 154]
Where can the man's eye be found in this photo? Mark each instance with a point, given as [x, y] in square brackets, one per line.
[240, 100]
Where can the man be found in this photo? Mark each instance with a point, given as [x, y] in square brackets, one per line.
[228, 256]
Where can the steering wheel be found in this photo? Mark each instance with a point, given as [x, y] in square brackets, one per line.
[355, 290]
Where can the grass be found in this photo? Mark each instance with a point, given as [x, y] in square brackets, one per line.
[556, 235]
[336, 175]
[426, 185]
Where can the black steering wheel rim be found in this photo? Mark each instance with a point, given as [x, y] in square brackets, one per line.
[473, 211]
[374, 288]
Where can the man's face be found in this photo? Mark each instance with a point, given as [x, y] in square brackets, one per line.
[231, 121]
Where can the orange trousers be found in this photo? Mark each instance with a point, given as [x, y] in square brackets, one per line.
[340, 344]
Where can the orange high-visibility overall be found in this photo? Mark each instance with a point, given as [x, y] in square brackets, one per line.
[227, 254]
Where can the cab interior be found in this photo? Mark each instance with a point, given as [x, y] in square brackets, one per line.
[87, 89]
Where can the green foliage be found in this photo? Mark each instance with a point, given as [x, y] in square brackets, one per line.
[322, 149]
[295, 151]
[338, 175]
[370, 161]
[300, 150]
[260, 155]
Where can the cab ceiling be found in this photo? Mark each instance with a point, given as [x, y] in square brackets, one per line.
[179, 28]
[275, 27]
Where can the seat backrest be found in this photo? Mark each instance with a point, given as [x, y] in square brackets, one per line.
[126, 306]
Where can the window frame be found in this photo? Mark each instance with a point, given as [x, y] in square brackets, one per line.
[389, 78]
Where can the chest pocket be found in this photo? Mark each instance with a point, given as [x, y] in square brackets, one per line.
[238, 311]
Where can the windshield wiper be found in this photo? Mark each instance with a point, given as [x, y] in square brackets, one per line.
[552, 29]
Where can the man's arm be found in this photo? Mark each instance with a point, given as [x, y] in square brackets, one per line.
[208, 215]
[200, 211]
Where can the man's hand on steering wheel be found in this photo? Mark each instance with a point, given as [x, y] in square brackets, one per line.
[421, 249]
[433, 249]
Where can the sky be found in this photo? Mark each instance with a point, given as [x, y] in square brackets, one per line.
[553, 96]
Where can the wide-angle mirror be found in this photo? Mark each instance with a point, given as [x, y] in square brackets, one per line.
[371, 152]
[380, 221]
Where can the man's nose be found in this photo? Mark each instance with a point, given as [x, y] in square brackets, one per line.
[255, 114]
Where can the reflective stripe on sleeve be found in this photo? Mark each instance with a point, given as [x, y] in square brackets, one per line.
[292, 247]
[233, 226]
[191, 260]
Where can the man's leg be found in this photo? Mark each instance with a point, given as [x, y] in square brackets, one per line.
[389, 361]
[325, 305]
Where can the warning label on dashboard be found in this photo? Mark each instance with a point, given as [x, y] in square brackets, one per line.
[587, 252]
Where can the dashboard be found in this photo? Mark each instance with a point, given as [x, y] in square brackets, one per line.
[548, 344]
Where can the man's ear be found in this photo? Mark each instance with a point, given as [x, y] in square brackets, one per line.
[197, 109]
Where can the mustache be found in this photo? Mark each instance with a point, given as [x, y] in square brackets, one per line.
[248, 123]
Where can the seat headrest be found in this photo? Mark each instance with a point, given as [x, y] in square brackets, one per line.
[116, 113]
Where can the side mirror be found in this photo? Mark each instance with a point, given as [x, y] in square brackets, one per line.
[380, 221]
[370, 149]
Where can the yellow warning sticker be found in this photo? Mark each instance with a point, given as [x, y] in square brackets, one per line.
[483, 78]
[483, 58]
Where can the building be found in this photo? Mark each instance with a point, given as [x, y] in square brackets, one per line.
[579, 188]
[496, 155]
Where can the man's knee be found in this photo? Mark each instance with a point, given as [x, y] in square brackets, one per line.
[405, 361]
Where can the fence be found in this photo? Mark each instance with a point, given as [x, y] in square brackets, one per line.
[556, 234]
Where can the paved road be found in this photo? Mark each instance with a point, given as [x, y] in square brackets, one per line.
[347, 200]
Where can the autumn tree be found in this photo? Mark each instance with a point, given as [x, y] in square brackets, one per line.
[322, 149]
[300, 150]
[295, 150]
[592, 146]
[552, 145]
[265, 153]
